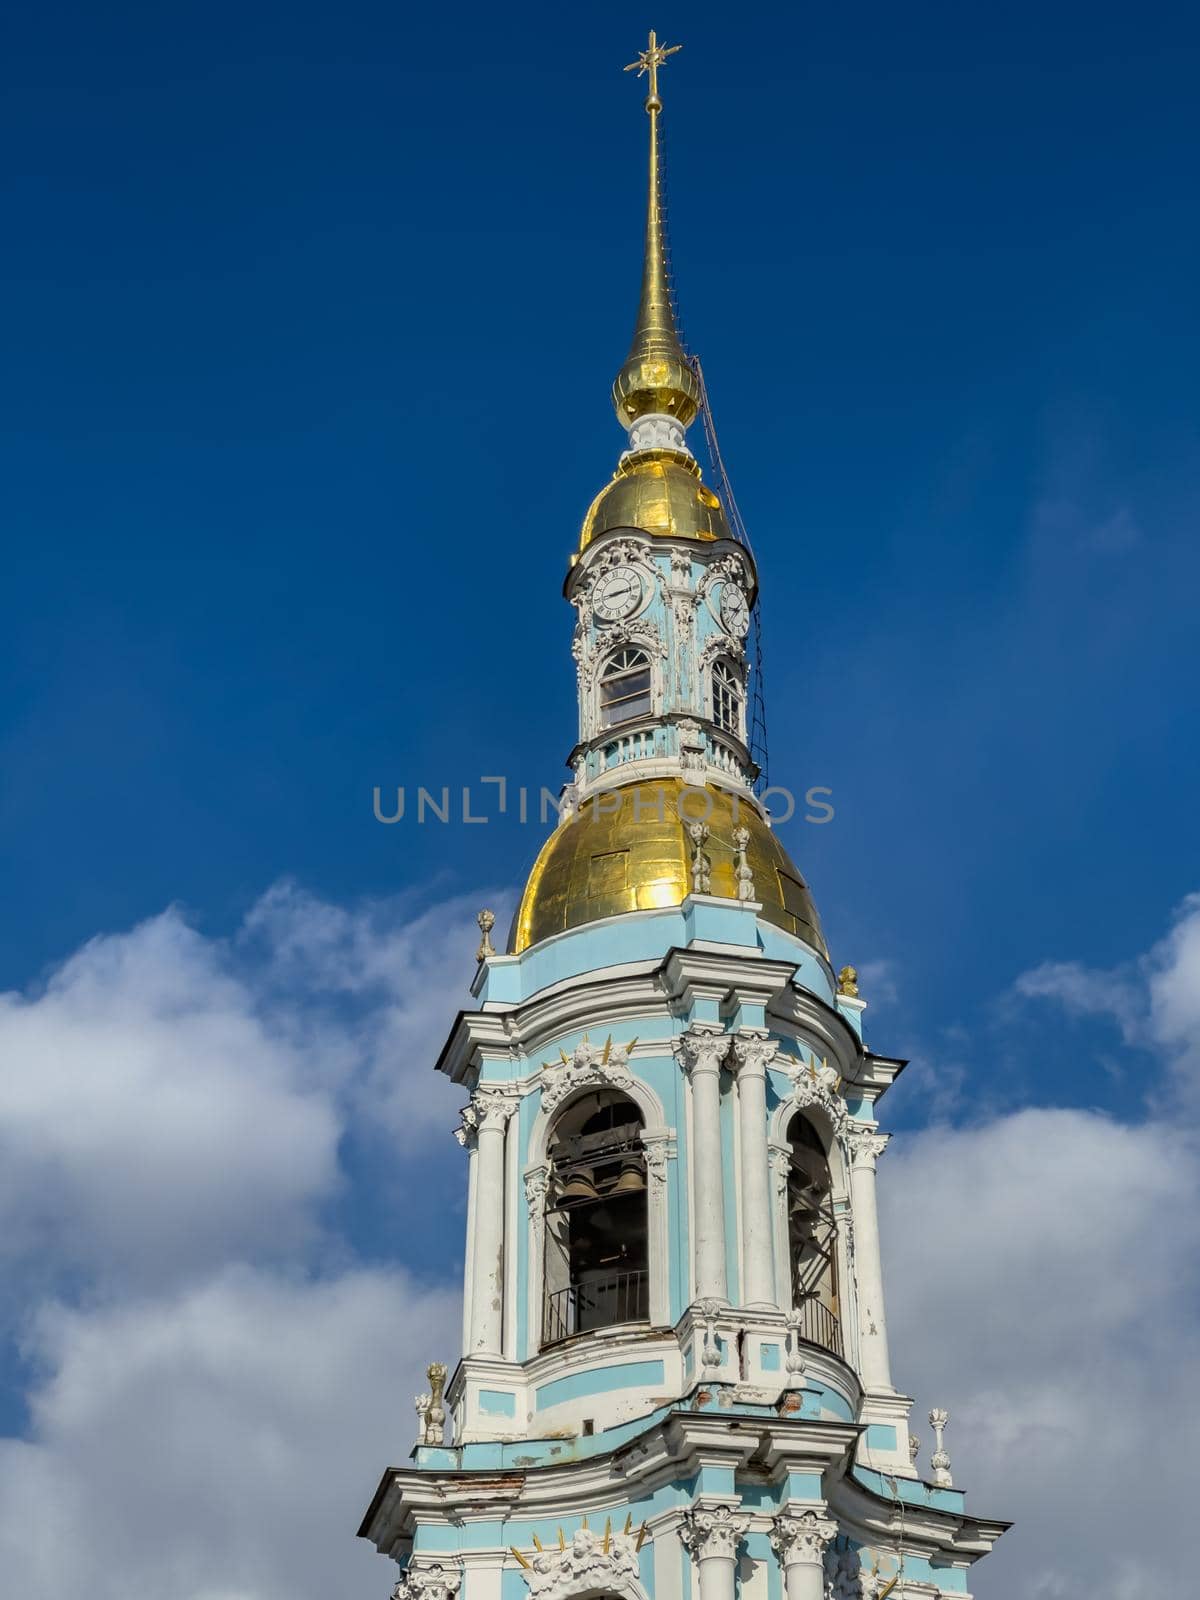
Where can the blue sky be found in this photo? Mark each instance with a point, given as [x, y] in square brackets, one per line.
[312, 317]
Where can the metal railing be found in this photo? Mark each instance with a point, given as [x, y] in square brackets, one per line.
[819, 1325]
[599, 1302]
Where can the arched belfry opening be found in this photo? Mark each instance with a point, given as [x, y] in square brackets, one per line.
[812, 1236]
[596, 1233]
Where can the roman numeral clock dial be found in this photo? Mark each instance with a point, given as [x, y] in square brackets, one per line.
[618, 594]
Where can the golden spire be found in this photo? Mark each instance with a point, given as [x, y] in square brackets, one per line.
[656, 379]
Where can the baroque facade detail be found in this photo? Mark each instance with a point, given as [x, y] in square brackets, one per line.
[702, 1048]
[428, 1581]
[802, 1536]
[489, 1108]
[817, 1086]
[588, 1064]
[589, 1563]
[713, 1532]
[866, 1145]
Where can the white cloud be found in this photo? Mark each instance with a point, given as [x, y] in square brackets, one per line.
[1042, 1274]
[217, 1443]
[1173, 975]
[1154, 1000]
[1044, 1277]
[209, 1410]
[398, 970]
[1087, 992]
[169, 1101]
[147, 1117]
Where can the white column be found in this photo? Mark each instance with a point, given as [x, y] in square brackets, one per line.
[700, 1052]
[753, 1048]
[488, 1113]
[799, 1540]
[466, 1137]
[712, 1534]
[866, 1146]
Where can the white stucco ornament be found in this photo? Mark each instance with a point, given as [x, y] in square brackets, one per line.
[429, 1581]
[588, 1065]
[657, 431]
[817, 1084]
[802, 1537]
[588, 1563]
[713, 1531]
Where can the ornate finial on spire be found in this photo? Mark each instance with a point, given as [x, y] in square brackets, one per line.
[487, 921]
[649, 60]
[656, 393]
[848, 982]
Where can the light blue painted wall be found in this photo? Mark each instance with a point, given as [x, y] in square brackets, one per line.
[757, 1549]
[769, 1357]
[598, 1380]
[498, 1402]
[803, 1486]
[911, 1490]
[645, 936]
[881, 1436]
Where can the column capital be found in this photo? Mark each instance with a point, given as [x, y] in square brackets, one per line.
[702, 1048]
[713, 1531]
[428, 1582]
[536, 1181]
[866, 1145]
[752, 1052]
[802, 1536]
[493, 1107]
[489, 1108]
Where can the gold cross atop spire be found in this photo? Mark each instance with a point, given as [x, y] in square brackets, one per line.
[650, 60]
[656, 379]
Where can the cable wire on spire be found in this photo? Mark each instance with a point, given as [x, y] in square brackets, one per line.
[757, 699]
[661, 376]
[724, 488]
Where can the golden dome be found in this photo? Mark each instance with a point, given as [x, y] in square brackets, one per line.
[638, 859]
[660, 493]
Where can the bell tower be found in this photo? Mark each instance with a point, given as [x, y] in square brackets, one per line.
[675, 1381]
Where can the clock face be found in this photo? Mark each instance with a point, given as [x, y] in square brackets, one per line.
[735, 611]
[618, 594]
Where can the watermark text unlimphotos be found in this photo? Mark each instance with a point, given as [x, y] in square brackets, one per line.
[493, 797]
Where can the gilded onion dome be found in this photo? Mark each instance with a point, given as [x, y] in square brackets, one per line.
[658, 493]
[635, 858]
[656, 377]
[656, 487]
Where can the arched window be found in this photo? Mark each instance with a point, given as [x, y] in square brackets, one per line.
[812, 1236]
[727, 697]
[625, 687]
[596, 1240]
